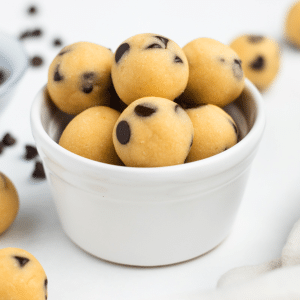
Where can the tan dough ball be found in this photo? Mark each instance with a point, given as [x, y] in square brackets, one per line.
[260, 58]
[149, 65]
[292, 25]
[216, 75]
[153, 132]
[79, 77]
[21, 276]
[214, 131]
[89, 135]
[9, 203]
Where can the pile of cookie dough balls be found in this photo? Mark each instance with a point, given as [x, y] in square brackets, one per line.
[22, 277]
[149, 104]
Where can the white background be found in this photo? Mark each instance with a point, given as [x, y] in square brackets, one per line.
[271, 204]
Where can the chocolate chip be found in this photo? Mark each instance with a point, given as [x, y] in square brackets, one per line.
[25, 35]
[36, 61]
[123, 132]
[38, 172]
[87, 90]
[121, 51]
[163, 39]
[178, 59]
[153, 46]
[3, 76]
[21, 260]
[62, 52]
[37, 32]
[8, 140]
[255, 38]
[57, 76]
[46, 287]
[88, 80]
[222, 59]
[191, 144]
[258, 64]
[57, 42]
[31, 152]
[144, 111]
[32, 10]
[31, 33]
[237, 69]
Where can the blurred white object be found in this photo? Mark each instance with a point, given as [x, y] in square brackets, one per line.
[148, 216]
[13, 63]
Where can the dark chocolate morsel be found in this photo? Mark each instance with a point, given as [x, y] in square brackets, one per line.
[57, 75]
[38, 172]
[1, 147]
[36, 61]
[255, 38]
[178, 59]
[46, 287]
[57, 42]
[8, 140]
[123, 132]
[21, 260]
[237, 69]
[222, 59]
[36, 32]
[31, 33]
[258, 64]
[144, 111]
[87, 89]
[88, 80]
[163, 39]
[121, 51]
[152, 46]
[3, 76]
[31, 152]
[32, 10]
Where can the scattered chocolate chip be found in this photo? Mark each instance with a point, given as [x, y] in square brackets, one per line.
[57, 76]
[36, 61]
[177, 59]
[38, 172]
[31, 33]
[163, 39]
[62, 52]
[32, 10]
[8, 140]
[123, 132]
[31, 152]
[237, 69]
[21, 260]
[57, 42]
[144, 111]
[255, 38]
[3, 76]
[121, 51]
[258, 64]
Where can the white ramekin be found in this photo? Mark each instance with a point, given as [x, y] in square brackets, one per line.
[14, 62]
[148, 216]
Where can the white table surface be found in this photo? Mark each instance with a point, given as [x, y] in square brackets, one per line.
[271, 204]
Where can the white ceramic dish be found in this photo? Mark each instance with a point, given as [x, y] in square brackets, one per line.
[148, 216]
[14, 62]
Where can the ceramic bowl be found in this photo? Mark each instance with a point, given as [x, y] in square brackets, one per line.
[13, 63]
[148, 216]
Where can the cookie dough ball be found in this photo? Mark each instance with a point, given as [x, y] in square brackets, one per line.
[89, 135]
[216, 75]
[21, 275]
[9, 203]
[149, 65]
[260, 58]
[215, 131]
[292, 25]
[153, 132]
[79, 77]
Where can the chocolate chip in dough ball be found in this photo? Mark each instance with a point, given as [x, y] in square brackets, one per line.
[292, 25]
[9, 203]
[153, 132]
[216, 75]
[79, 77]
[214, 131]
[149, 65]
[22, 277]
[89, 135]
[260, 56]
